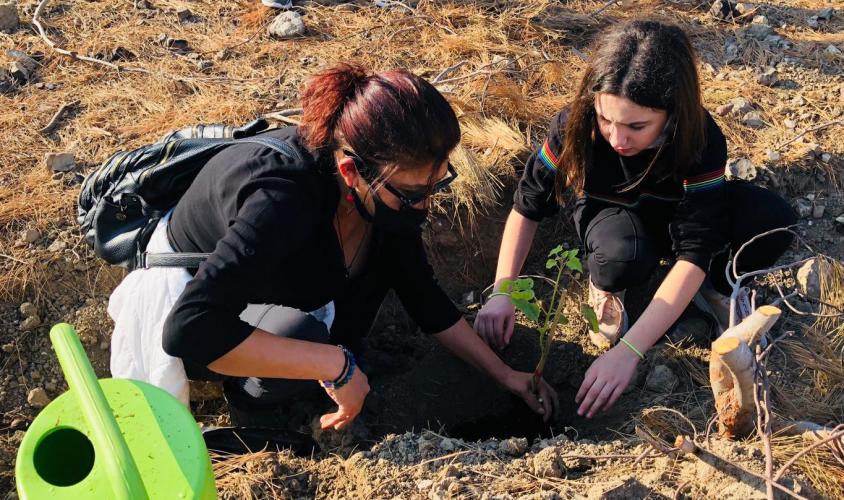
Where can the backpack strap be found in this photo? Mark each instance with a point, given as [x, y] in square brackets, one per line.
[192, 260]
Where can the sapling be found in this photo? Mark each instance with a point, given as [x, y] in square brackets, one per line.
[524, 298]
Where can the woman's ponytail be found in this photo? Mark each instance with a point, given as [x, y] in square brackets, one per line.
[324, 98]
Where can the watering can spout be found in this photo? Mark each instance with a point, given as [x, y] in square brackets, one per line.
[126, 482]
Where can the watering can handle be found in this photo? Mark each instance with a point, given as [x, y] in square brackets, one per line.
[120, 467]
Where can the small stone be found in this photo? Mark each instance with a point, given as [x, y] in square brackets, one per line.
[121, 54]
[818, 211]
[742, 168]
[177, 45]
[768, 77]
[184, 15]
[447, 445]
[59, 162]
[724, 109]
[38, 398]
[759, 31]
[104, 345]
[288, 24]
[8, 347]
[723, 9]
[826, 157]
[809, 279]
[741, 105]
[661, 379]
[825, 14]
[803, 208]
[9, 19]
[514, 446]
[788, 123]
[744, 8]
[833, 50]
[31, 235]
[425, 484]
[812, 150]
[753, 119]
[57, 246]
[28, 309]
[812, 22]
[773, 156]
[731, 52]
[204, 65]
[20, 72]
[18, 424]
[761, 20]
[30, 323]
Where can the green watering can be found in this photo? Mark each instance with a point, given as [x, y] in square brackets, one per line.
[113, 439]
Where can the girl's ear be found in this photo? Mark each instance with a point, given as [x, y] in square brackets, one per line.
[347, 170]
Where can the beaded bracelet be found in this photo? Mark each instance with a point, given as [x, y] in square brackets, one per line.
[344, 377]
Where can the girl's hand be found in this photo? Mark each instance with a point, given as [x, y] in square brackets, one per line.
[495, 320]
[349, 399]
[605, 380]
[519, 383]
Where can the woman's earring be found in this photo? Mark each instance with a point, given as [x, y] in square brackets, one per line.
[349, 197]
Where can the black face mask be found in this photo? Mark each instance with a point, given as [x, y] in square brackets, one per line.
[404, 222]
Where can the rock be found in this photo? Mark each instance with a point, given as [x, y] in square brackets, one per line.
[204, 65]
[741, 106]
[768, 77]
[18, 424]
[759, 31]
[547, 463]
[575, 463]
[742, 168]
[826, 157]
[731, 52]
[812, 150]
[184, 15]
[57, 246]
[833, 50]
[31, 235]
[514, 446]
[20, 72]
[825, 14]
[177, 45]
[425, 484]
[28, 309]
[447, 445]
[809, 279]
[9, 19]
[788, 123]
[30, 323]
[724, 109]
[288, 24]
[723, 9]
[661, 379]
[813, 22]
[803, 208]
[59, 162]
[839, 223]
[744, 8]
[753, 119]
[121, 54]
[761, 20]
[773, 155]
[818, 211]
[7, 82]
[38, 398]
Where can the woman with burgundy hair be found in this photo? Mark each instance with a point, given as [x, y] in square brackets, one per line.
[330, 233]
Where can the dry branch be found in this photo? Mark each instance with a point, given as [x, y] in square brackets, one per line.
[802, 134]
[731, 368]
[54, 121]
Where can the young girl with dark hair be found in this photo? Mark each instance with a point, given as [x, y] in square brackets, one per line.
[329, 232]
[645, 162]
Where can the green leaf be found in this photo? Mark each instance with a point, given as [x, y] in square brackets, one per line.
[557, 249]
[523, 284]
[550, 263]
[523, 295]
[529, 309]
[590, 317]
[506, 286]
[574, 264]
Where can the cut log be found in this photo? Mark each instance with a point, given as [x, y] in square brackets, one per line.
[751, 329]
[731, 368]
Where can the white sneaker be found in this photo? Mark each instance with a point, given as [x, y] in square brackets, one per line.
[278, 4]
[717, 306]
[612, 317]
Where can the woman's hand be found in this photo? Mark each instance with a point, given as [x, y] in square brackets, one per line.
[494, 322]
[605, 380]
[349, 399]
[519, 383]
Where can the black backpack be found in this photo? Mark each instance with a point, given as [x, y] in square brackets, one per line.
[121, 202]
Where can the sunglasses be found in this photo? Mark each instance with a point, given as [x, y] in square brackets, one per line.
[408, 199]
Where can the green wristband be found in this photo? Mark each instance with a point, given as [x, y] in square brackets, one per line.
[494, 294]
[632, 347]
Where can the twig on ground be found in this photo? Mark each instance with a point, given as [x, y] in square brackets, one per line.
[449, 70]
[13, 258]
[763, 419]
[607, 5]
[813, 129]
[679, 490]
[784, 299]
[54, 121]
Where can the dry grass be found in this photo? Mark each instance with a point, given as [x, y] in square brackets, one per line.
[519, 63]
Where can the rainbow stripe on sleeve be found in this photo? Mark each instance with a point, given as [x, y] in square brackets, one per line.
[549, 159]
[704, 182]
